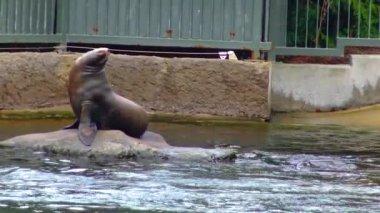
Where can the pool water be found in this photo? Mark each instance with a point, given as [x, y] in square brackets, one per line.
[280, 168]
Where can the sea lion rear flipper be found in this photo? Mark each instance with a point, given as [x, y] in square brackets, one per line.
[87, 128]
[74, 125]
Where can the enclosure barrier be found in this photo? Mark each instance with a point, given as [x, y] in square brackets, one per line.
[282, 27]
[323, 27]
[28, 21]
[228, 24]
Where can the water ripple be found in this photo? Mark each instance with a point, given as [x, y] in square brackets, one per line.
[313, 169]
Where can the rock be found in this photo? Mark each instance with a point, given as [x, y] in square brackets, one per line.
[115, 144]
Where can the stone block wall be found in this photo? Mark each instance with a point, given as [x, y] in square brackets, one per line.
[179, 85]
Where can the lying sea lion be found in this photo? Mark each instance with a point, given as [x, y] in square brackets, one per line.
[94, 103]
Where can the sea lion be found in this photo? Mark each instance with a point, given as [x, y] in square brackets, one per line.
[94, 103]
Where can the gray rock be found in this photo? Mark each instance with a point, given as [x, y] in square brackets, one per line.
[115, 144]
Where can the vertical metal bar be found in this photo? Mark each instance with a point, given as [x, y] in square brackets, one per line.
[191, 8]
[197, 19]
[338, 20]
[202, 18]
[176, 19]
[278, 27]
[249, 21]
[39, 16]
[378, 29]
[307, 21]
[256, 24]
[112, 18]
[223, 33]
[369, 19]
[18, 16]
[127, 18]
[359, 18]
[47, 10]
[11, 17]
[286, 21]
[3, 16]
[349, 18]
[25, 10]
[266, 35]
[50, 16]
[64, 20]
[133, 16]
[327, 25]
[144, 16]
[206, 20]
[211, 20]
[317, 24]
[33, 16]
[296, 30]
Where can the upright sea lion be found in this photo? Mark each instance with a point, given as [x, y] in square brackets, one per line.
[94, 103]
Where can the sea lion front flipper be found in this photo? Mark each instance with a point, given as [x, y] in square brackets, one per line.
[87, 127]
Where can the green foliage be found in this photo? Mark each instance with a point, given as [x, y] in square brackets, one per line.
[345, 18]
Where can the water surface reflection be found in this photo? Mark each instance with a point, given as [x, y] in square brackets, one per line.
[279, 168]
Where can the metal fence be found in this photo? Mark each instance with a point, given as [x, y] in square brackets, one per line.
[28, 21]
[232, 24]
[324, 27]
[282, 27]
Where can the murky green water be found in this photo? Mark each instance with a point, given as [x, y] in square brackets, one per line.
[279, 169]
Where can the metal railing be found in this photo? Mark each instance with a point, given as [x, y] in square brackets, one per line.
[282, 27]
[317, 23]
[227, 24]
[326, 27]
[29, 21]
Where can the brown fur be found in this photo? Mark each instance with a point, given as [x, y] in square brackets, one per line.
[109, 110]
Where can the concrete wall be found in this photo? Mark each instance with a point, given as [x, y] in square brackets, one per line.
[186, 86]
[313, 87]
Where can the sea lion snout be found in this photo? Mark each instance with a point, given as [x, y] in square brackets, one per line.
[103, 52]
[96, 57]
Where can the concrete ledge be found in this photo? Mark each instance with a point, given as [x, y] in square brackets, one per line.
[315, 87]
[184, 86]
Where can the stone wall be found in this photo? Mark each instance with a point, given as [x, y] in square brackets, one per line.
[315, 87]
[186, 86]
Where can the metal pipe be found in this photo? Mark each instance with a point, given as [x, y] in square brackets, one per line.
[369, 19]
[307, 22]
[349, 18]
[296, 30]
[266, 35]
[359, 18]
[327, 25]
[338, 20]
[316, 25]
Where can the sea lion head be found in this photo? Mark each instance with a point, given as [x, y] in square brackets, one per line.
[94, 60]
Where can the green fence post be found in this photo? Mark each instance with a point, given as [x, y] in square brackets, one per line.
[62, 21]
[278, 10]
[257, 26]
